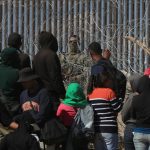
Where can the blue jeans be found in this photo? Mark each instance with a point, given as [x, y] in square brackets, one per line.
[106, 141]
[128, 137]
[141, 141]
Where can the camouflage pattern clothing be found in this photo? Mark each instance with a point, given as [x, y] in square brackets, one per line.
[75, 67]
[75, 64]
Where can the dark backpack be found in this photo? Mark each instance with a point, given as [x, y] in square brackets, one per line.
[118, 78]
[83, 125]
[53, 132]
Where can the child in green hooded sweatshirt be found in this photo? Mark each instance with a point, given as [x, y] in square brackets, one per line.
[73, 100]
[67, 110]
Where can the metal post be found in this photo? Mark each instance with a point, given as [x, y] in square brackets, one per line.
[141, 61]
[59, 26]
[3, 24]
[14, 16]
[42, 15]
[92, 21]
[119, 61]
[9, 18]
[31, 30]
[26, 46]
[125, 47]
[20, 17]
[81, 33]
[97, 24]
[86, 24]
[48, 6]
[102, 23]
[130, 34]
[64, 40]
[36, 22]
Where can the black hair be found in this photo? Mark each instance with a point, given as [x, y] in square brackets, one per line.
[15, 40]
[95, 47]
[99, 80]
[48, 41]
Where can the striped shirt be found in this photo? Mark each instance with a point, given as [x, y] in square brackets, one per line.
[106, 108]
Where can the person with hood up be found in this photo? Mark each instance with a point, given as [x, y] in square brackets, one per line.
[15, 41]
[67, 110]
[73, 100]
[10, 89]
[141, 112]
[47, 65]
[127, 116]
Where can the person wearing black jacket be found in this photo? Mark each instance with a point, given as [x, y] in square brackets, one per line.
[5, 118]
[34, 100]
[102, 63]
[15, 41]
[21, 138]
[47, 65]
[141, 112]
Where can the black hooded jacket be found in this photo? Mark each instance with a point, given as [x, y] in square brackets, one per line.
[20, 139]
[141, 103]
[47, 65]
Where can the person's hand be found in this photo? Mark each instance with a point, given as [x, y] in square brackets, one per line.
[26, 106]
[106, 54]
[30, 105]
[35, 106]
[13, 125]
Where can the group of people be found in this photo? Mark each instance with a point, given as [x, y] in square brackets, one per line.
[35, 95]
[135, 113]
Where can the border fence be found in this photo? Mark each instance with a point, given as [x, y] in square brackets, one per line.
[105, 21]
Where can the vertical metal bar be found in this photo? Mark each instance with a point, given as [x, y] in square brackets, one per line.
[64, 40]
[48, 6]
[119, 36]
[20, 17]
[42, 15]
[3, 24]
[53, 23]
[141, 36]
[147, 27]
[59, 8]
[75, 16]
[114, 34]
[81, 10]
[92, 21]
[31, 30]
[36, 25]
[130, 34]
[86, 24]
[97, 27]
[9, 17]
[135, 62]
[108, 25]
[14, 16]
[102, 23]
[70, 18]
[124, 55]
[26, 25]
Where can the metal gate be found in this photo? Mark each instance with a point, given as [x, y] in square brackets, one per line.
[105, 21]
